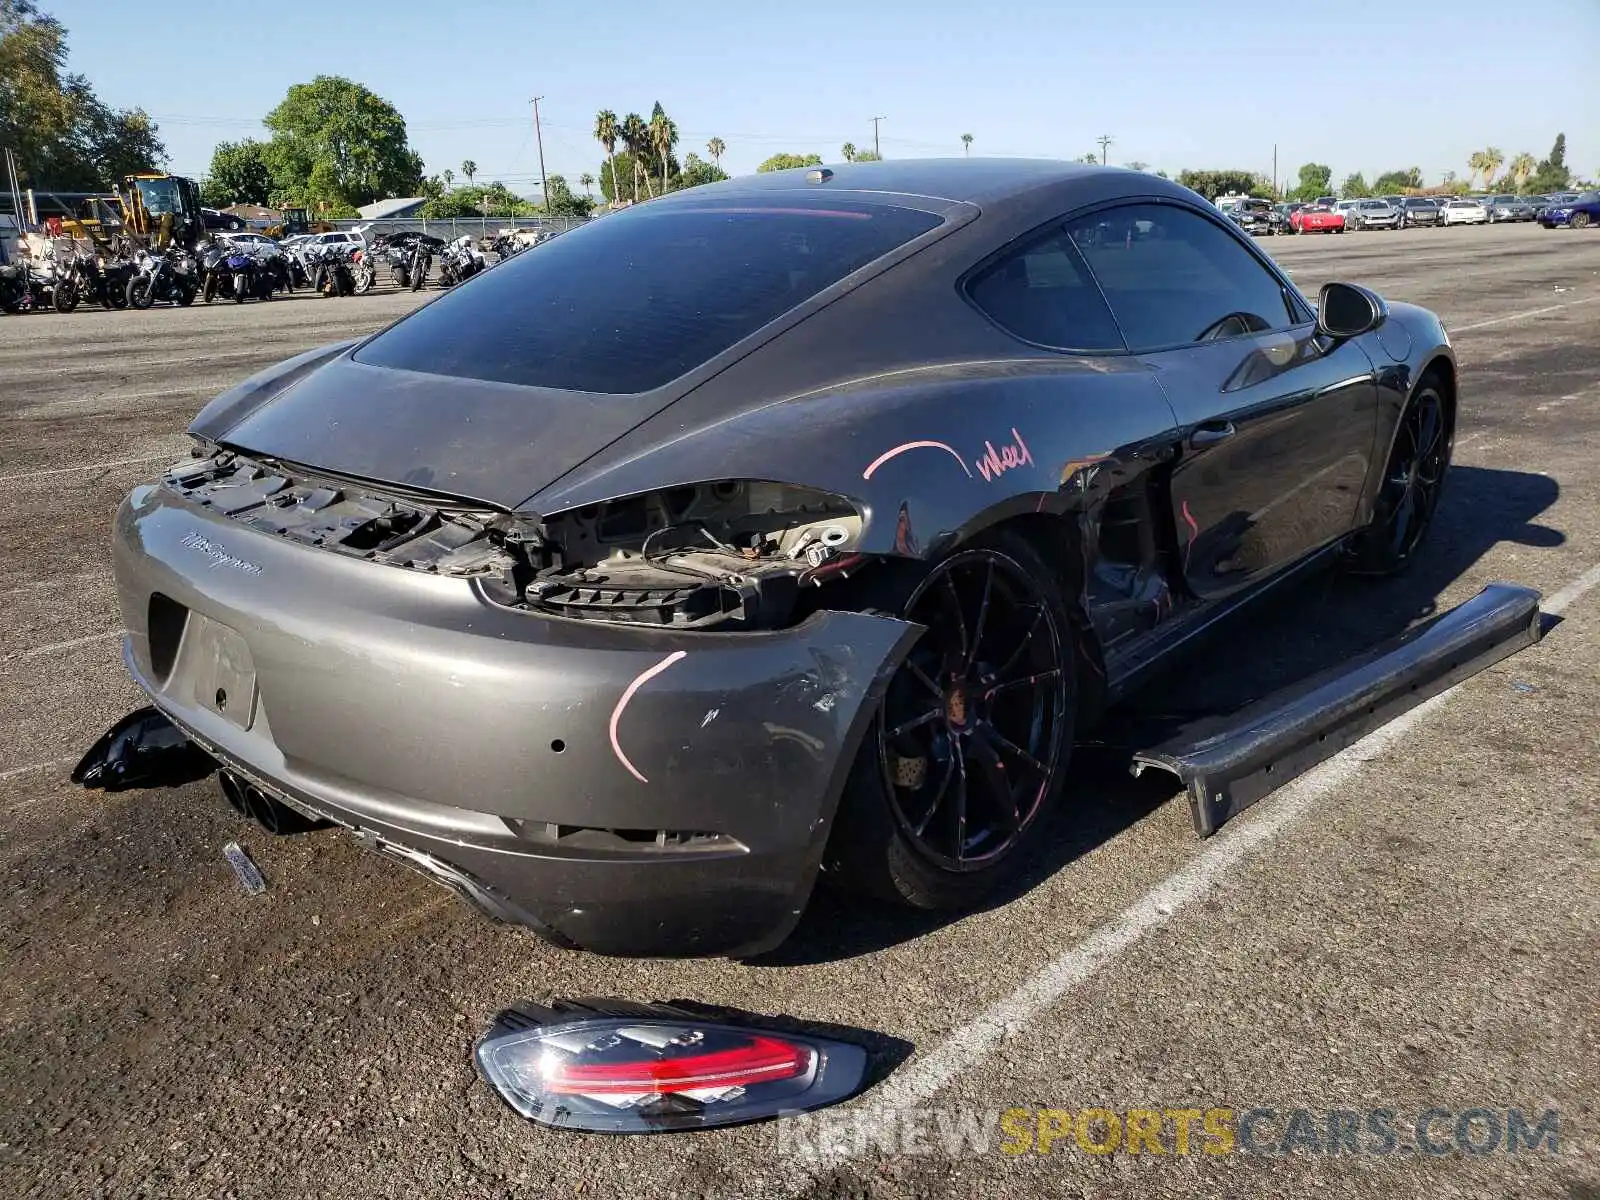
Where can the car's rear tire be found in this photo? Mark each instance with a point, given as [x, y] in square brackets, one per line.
[1580, 220]
[965, 759]
[1413, 479]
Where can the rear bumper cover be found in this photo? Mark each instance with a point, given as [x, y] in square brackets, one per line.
[627, 791]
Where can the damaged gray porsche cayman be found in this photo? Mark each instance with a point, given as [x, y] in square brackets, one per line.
[785, 527]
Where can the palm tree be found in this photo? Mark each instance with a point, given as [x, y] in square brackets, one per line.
[1522, 166]
[966, 144]
[449, 177]
[469, 169]
[1478, 162]
[849, 151]
[716, 147]
[1492, 158]
[636, 137]
[586, 181]
[663, 137]
[605, 132]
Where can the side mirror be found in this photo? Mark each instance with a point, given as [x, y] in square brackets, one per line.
[1346, 311]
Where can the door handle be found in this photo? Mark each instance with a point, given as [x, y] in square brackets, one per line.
[1211, 433]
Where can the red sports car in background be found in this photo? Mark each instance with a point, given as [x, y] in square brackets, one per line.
[1316, 218]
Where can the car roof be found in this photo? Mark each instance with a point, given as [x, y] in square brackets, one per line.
[956, 180]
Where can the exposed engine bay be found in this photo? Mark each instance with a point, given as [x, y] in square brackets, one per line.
[728, 552]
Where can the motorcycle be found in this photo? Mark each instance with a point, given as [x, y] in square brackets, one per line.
[420, 261]
[331, 274]
[460, 261]
[22, 288]
[364, 271]
[106, 283]
[167, 275]
[215, 277]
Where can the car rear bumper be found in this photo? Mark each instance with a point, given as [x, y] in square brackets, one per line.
[624, 790]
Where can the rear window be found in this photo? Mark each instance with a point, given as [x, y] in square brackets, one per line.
[629, 302]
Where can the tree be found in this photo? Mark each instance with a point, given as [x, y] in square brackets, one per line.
[605, 132]
[449, 177]
[1493, 157]
[586, 182]
[1523, 166]
[63, 134]
[966, 144]
[663, 137]
[1316, 179]
[1354, 186]
[1212, 184]
[1553, 175]
[239, 174]
[787, 162]
[636, 137]
[696, 171]
[1136, 165]
[334, 139]
[848, 150]
[1392, 183]
[618, 169]
[469, 169]
[716, 147]
[1092, 158]
[867, 156]
[560, 202]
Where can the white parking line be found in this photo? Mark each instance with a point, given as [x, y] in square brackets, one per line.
[29, 769]
[21, 476]
[1532, 312]
[52, 647]
[972, 1044]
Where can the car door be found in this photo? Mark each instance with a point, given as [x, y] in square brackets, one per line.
[1275, 424]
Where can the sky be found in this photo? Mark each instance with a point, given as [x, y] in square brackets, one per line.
[1361, 85]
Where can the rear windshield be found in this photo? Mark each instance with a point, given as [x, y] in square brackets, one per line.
[629, 302]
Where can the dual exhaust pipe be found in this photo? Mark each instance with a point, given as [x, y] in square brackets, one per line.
[269, 812]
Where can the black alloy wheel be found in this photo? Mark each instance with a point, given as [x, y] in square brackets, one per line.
[966, 755]
[1412, 482]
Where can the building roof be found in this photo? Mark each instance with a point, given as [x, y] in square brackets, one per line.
[397, 206]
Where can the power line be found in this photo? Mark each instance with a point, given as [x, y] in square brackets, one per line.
[1105, 139]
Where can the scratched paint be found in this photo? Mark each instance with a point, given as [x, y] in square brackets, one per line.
[1194, 532]
[643, 678]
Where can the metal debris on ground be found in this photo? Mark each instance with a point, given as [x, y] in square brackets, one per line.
[249, 874]
[1527, 689]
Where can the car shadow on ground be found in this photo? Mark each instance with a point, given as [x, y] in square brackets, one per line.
[1313, 625]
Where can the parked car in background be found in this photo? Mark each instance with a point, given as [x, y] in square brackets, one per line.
[1374, 214]
[216, 219]
[253, 240]
[1419, 210]
[1462, 211]
[1578, 210]
[1347, 210]
[1281, 213]
[1507, 207]
[1317, 218]
[1252, 215]
[1327, 201]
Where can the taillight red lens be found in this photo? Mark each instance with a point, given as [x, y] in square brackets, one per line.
[762, 1060]
[613, 1066]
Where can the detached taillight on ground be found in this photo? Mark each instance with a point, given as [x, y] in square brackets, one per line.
[618, 1067]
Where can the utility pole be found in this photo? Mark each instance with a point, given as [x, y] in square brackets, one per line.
[1105, 139]
[1274, 170]
[875, 149]
[544, 188]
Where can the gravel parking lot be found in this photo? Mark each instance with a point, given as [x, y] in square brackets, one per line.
[1412, 926]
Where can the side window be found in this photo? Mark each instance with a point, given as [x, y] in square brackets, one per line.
[1043, 294]
[1173, 278]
